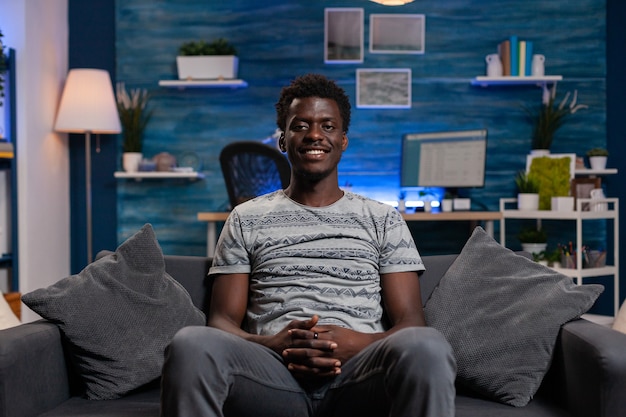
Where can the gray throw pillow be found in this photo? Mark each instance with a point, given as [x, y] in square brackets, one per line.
[118, 314]
[502, 313]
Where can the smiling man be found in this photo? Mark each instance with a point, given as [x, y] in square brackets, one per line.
[315, 307]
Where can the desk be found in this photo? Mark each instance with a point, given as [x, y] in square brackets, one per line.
[473, 216]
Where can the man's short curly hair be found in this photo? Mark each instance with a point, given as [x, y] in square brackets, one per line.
[312, 85]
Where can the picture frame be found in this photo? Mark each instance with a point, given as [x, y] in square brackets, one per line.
[554, 173]
[343, 35]
[581, 188]
[397, 33]
[383, 88]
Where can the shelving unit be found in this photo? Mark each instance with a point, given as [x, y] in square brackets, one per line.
[484, 81]
[578, 216]
[158, 175]
[182, 84]
[8, 162]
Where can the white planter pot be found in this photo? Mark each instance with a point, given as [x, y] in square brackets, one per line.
[527, 201]
[207, 67]
[446, 204]
[534, 248]
[131, 160]
[540, 152]
[597, 162]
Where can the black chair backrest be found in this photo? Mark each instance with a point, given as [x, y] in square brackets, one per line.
[252, 169]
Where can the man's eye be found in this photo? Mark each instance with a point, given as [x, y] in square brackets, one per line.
[329, 127]
[299, 128]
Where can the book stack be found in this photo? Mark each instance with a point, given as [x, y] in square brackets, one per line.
[516, 56]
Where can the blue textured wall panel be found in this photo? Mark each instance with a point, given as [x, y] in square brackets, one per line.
[278, 40]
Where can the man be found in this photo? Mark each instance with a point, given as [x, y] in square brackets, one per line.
[302, 275]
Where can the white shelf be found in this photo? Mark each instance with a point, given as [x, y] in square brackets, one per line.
[578, 215]
[235, 83]
[587, 171]
[158, 175]
[485, 81]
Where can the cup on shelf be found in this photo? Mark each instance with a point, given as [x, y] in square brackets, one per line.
[538, 66]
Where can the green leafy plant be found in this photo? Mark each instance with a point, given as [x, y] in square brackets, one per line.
[549, 117]
[526, 183]
[532, 235]
[218, 47]
[597, 152]
[132, 108]
[3, 68]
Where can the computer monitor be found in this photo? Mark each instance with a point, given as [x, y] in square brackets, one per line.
[451, 159]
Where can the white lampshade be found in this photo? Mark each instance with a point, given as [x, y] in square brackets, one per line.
[392, 2]
[88, 103]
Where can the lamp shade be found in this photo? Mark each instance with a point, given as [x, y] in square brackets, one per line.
[88, 103]
[392, 2]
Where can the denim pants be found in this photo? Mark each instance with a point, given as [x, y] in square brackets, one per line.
[211, 373]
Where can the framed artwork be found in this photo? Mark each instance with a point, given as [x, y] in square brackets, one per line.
[397, 33]
[554, 173]
[581, 188]
[343, 35]
[383, 88]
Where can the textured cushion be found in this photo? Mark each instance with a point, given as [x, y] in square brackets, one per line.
[502, 312]
[118, 314]
[7, 317]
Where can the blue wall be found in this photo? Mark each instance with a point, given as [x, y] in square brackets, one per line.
[278, 40]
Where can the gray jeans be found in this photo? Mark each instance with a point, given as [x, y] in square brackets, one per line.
[209, 373]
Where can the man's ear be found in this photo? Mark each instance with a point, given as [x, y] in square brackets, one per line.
[344, 142]
[281, 143]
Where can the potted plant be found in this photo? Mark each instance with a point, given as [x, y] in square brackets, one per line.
[533, 240]
[527, 191]
[597, 158]
[201, 60]
[548, 117]
[447, 201]
[134, 116]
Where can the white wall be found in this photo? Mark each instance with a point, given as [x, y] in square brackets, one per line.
[38, 31]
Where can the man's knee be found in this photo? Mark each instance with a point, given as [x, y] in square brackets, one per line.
[423, 347]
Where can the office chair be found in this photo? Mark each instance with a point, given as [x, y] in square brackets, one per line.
[251, 169]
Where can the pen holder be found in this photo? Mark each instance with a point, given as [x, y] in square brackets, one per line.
[568, 261]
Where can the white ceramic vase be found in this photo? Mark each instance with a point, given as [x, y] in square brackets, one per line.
[534, 248]
[446, 205]
[528, 201]
[131, 160]
[597, 162]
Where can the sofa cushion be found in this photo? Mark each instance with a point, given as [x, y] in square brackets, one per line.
[118, 314]
[502, 312]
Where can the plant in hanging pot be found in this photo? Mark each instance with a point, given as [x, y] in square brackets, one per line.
[597, 158]
[134, 117]
[547, 118]
[201, 60]
[527, 191]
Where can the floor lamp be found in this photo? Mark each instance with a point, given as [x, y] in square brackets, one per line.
[88, 106]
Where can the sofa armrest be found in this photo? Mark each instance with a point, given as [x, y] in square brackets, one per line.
[593, 369]
[33, 372]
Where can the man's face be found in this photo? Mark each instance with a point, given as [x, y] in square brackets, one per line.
[315, 137]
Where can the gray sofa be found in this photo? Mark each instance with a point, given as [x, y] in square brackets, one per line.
[587, 376]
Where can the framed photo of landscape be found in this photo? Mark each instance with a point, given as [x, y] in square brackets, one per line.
[383, 88]
[343, 35]
[397, 33]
